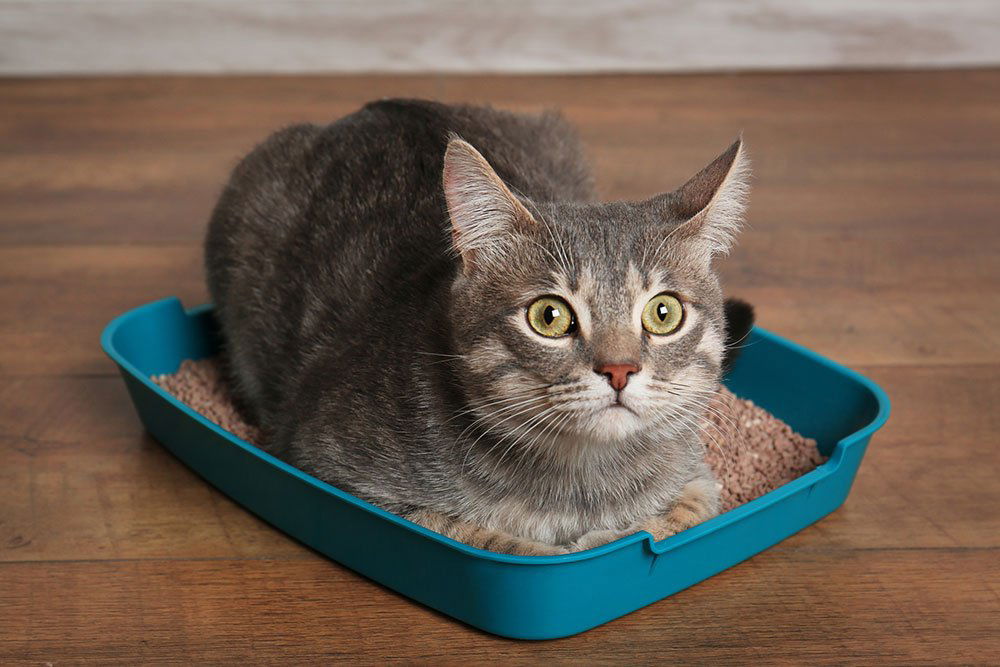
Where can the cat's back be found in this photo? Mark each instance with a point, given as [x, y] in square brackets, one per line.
[538, 154]
[375, 173]
[317, 223]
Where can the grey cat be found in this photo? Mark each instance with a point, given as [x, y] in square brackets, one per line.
[425, 306]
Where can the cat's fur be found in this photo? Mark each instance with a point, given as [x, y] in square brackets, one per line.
[371, 293]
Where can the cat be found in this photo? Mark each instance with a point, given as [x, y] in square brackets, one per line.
[425, 306]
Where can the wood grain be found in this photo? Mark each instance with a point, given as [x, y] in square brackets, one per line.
[857, 607]
[872, 240]
[518, 36]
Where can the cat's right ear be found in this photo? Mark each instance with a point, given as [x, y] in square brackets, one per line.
[710, 207]
[483, 211]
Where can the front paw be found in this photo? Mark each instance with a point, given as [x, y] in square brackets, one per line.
[596, 538]
[531, 548]
[698, 502]
[659, 527]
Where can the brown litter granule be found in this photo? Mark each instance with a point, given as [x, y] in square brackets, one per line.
[201, 386]
[750, 450]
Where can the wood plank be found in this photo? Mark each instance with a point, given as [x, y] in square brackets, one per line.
[97, 176]
[930, 475]
[824, 156]
[81, 480]
[877, 606]
[64, 297]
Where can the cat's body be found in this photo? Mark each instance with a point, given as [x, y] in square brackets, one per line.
[384, 350]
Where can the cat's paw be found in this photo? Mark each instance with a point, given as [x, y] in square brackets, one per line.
[480, 537]
[517, 546]
[659, 528]
[596, 538]
[698, 502]
[504, 543]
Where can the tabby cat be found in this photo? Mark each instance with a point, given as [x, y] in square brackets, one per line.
[424, 305]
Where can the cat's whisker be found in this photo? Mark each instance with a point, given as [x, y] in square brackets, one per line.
[714, 443]
[670, 414]
[530, 452]
[706, 422]
[689, 392]
[545, 250]
[561, 392]
[444, 358]
[722, 417]
[564, 263]
[708, 406]
[666, 239]
[741, 347]
[527, 404]
[575, 400]
[735, 343]
[529, 408]
[522, 454]
[528, 426]
[504, 406]
[553, 429]
[681, 421]
[490, 400]
[479, 407]
[697, 435]
[442, 361]
[682, 390]
[699, 429]
[516, 400]
[503, 438]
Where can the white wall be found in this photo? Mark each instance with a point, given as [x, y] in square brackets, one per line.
[106, 36]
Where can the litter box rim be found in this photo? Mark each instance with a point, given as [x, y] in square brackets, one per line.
[521, 597]
[828, 468]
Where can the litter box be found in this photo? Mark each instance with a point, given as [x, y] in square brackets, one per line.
[524, 597]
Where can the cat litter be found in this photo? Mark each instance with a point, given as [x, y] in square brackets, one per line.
[775, 483]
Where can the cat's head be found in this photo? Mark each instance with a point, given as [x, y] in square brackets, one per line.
[590, 323]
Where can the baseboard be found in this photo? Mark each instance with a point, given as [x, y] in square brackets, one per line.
[219, 36]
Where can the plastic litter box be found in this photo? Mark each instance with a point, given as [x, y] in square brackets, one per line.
[525, 597]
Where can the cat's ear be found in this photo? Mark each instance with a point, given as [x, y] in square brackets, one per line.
[711, 205]
[482, 209]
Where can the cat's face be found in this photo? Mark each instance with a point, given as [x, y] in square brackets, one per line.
[589, 324]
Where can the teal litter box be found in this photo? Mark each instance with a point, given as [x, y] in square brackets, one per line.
[525, 597]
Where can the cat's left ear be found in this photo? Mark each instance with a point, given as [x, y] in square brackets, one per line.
[482, 208]
[711, 205]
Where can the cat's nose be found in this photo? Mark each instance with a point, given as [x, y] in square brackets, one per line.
[617, 374]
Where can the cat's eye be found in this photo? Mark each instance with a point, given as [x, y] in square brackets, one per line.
[662, 314]
[551, 316]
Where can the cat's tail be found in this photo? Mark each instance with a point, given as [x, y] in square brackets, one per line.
[739, 322]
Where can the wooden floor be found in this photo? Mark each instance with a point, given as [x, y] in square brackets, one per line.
[874, 240]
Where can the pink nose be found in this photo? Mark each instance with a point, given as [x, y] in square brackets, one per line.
[617, 374]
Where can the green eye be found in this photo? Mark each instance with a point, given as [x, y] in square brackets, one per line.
[551, 316]
[663, 314]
